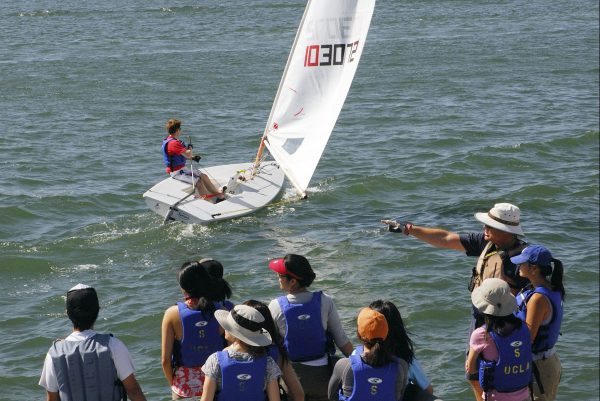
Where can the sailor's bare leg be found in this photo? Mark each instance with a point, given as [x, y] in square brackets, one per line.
[205, 186]
[208, 184]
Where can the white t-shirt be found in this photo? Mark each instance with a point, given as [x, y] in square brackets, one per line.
[120, 357]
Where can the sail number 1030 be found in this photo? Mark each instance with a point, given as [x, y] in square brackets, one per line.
[336, 54]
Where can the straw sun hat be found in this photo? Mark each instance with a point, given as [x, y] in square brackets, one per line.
[504, 217]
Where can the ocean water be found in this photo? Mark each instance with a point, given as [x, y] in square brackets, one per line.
[457, 105]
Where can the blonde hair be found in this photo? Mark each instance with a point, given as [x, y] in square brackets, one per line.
[173, 125]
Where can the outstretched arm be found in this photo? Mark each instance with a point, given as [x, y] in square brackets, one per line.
[434, 236]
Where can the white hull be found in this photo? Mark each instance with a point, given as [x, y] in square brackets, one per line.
[243, 196]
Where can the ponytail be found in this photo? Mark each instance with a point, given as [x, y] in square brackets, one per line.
[222, 289]
[196, 282]
[556, 279]
[173, 125]
[379, 353]
[398, 339]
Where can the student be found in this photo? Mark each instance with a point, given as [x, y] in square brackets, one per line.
[419, 386]
[541, 307]
[304, 319]
[88, 365]
[222, 287]
[175, 153]
[243, 370]
[499, 361]
[190, 332]
[277, 351]
[372, 372]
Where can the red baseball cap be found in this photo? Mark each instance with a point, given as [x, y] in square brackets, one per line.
[297, 266]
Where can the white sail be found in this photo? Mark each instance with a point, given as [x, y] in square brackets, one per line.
[316, 80]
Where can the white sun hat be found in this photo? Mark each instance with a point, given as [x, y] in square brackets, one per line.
[504, 217]
[245, 323]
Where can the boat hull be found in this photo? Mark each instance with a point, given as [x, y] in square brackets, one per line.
[245, 194]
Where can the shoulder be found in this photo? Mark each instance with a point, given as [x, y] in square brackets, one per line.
[175, 144]
[119, 352]
[115, 343]
[342, 363]
[326, 298]
[473, 243]
[172, 312]
[301, 297]
[343, 367]
[479, 338]
[272, 368]
[211, 366]
[538, 300]
[274, 307]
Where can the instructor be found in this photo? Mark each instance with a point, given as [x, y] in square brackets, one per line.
[499, 241]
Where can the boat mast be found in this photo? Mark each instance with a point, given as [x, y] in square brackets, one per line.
[261, 148]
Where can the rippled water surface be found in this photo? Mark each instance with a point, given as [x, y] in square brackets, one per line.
[456, 105]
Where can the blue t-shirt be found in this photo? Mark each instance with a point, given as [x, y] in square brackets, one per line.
[417, 375]
[474, 243]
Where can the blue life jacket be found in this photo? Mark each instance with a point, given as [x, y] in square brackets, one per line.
[547, 335]
[242, 380]
[512, 370]
[305, 337]
[227, 304]
[371, 383]
[200, 339]
[172, 161]
[85, 370]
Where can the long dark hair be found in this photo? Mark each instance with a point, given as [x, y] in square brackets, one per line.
[399, 341]
[556, 279]
[269, 325]
[196, 282]
[221, 288]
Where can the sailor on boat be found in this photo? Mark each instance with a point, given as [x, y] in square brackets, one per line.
[176, 153]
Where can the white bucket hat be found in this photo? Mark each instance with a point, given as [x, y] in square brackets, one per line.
[504, 217]
[493, 297]
[245, 323]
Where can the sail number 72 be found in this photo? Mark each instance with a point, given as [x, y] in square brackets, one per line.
[335, 54]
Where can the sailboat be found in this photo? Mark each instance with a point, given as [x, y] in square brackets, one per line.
[316, 80]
